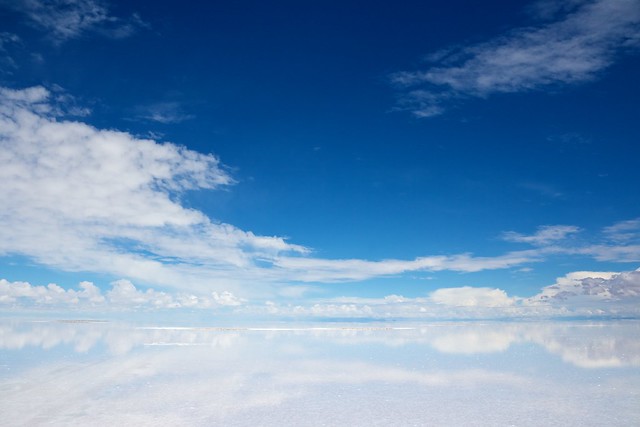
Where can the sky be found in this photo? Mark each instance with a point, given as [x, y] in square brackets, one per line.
[403, 159]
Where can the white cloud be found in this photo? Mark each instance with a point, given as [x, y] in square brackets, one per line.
[122, 295]
[624, 231]
[125, 293]
[576, 294]
[620, 242]
[85, 199]
[467, 296]
[583, 39]
[111, 201]
[226, 298]
[546, 234]
[50, 295]
[68, 19]
[308, 269]
[581, 293]
[592, 286]
[616, 253]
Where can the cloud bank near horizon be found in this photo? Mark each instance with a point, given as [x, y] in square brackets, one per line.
[581, 293]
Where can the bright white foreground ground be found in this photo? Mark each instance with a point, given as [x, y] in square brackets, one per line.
[571, 373]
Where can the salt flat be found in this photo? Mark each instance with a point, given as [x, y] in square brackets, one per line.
[447, 373]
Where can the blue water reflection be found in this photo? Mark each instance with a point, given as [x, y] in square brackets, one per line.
[458, 373]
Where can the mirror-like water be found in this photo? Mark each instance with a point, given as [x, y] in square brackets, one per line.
[459, 373]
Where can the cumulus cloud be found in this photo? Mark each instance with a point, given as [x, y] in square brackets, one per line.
[467, 296]
[581, 293]
[546, 234]
[68, 19]
[592, 286]
[112, 200]
[574, 43]
[122, 295]
[52, 294]
[78, 198]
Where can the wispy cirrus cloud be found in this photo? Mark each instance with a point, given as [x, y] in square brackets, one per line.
[543, 236]
[163, 112]
[617, 243]
[309, 269]
[624, 231]
[582, 38]
[7, 39]
[608, 252]
[8, 43]
[68, 19]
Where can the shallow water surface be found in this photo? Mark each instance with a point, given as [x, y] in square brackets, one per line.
[572, 373]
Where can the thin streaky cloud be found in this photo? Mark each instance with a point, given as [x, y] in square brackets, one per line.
[544, 235]
[624, 231]
[307, 269]
[64, 20]
[163, 112]
[583, 40]
[6, 39]
[615, 253]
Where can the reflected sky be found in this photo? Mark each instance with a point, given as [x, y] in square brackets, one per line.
[446, 373]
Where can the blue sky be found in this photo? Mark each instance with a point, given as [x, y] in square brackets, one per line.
[319, 154]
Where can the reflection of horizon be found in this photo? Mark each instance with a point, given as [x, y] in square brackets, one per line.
[312, 376]
[583, 344]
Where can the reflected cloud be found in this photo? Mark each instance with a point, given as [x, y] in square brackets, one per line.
[473, 342]
[102, 373]
[585, 345]
[591, 345]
